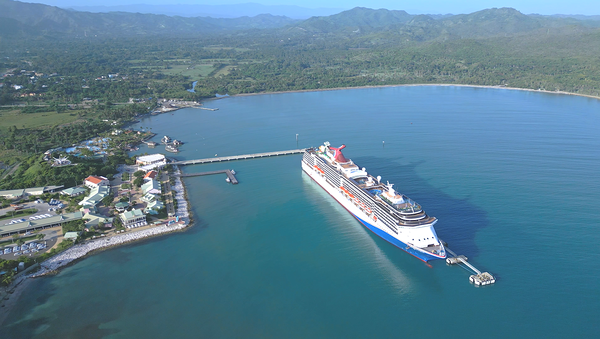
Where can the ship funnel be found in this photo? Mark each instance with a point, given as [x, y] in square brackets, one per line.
[379, 179]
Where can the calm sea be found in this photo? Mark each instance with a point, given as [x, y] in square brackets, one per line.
[512, 176]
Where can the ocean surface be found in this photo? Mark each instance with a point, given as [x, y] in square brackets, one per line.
[512, 176]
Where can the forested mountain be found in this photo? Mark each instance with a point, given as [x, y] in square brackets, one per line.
[21, 19]
[355, 20]
[400, 26]
[27, 19]
[215, 10]
[66, 68]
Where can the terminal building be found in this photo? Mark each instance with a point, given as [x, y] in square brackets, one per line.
[149, 162]
[25, 192]
[39, 224]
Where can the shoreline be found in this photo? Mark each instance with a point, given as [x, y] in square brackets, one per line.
[407, 85]
[73, 254]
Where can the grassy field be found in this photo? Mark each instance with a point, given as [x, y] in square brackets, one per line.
[225, 70]
[218, 48]
[16, 118]
[193, 71]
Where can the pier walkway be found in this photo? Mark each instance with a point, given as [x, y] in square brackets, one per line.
[230, 175]
[237, 157]
[478, 279]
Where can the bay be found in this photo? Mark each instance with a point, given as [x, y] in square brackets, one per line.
[511, 175]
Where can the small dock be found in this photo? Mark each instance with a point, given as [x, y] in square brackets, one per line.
[238, 157]
[208, 109]
[479, 278]
[229, 173]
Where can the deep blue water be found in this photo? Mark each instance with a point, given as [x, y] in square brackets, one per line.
[512, 176]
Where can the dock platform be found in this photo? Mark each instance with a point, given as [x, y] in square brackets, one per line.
[479, 278]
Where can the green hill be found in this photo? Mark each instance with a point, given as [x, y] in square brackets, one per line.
[27, 19]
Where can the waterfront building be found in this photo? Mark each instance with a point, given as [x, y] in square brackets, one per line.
[133, 217]
[149, 162]
[96, 181]
[94, 220]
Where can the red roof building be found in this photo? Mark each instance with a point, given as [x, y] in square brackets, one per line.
[95, 181]
[150, 175]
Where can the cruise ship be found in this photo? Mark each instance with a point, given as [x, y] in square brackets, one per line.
[387, 213]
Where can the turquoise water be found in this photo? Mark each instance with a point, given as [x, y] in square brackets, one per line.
[511, 175]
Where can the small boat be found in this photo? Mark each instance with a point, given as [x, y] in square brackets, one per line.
[165, 139]
[228, 180]
[171, 149]
[233, 172]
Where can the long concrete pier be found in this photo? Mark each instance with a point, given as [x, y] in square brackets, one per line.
[230, 175]
[238, 157]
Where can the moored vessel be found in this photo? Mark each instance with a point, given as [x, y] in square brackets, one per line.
[379, 207]
[171, 148]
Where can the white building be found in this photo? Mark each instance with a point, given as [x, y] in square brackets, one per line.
[96, 181]
[152, 161]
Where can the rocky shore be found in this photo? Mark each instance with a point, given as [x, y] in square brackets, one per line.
[81, 250]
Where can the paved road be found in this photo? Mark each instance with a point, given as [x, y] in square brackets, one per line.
[12, 170]
[168, 193]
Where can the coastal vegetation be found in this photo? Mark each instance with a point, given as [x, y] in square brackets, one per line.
[61, 87]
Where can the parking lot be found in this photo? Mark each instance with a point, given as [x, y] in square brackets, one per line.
[44, 210]
[9, 248]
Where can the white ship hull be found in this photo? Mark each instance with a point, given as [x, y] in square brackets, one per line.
[373, 218]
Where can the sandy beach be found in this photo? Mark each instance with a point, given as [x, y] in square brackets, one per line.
[411, 85]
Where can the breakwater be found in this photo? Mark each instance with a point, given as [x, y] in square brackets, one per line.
[81, 250]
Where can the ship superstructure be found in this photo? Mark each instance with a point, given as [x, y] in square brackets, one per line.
[389, 214]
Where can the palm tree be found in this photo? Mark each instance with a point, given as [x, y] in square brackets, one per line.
[41, 236]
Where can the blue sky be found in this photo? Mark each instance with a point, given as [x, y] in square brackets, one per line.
[586, 7]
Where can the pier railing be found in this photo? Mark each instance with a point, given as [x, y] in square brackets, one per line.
[237, 157]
